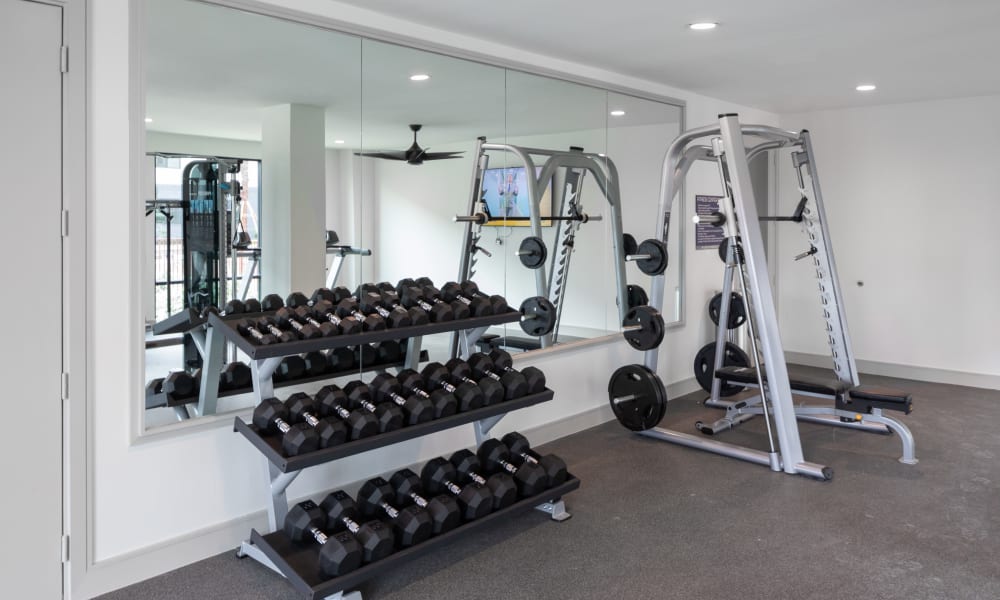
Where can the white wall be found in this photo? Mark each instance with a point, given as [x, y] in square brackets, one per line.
[172, 498]
[911, 199]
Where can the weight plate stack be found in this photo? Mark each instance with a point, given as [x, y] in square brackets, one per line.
[637, 397]
[704, 366]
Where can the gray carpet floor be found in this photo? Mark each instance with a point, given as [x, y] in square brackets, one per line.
[655, 520]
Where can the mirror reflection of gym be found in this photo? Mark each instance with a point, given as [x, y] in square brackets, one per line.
[389, 219]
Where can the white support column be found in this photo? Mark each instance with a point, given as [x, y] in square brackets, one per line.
[293, 198]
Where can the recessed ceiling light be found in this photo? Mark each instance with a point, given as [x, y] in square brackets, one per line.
[420, 77]
[149, 120]
[338, 141]
[703, 26]
[865, 87]
[618, 113]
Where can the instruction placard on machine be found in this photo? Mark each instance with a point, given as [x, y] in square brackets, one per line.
[707, 237]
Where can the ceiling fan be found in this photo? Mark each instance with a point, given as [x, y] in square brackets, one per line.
[414, 155]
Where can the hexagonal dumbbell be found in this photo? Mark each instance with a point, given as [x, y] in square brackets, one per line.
[269, 325]
[340, 359]
[444, 403]
[500, 484]
[514, 384]
[412, 297]
[302, 408]
[371, 303]
[387, 389]
[478, 306]
[411, 523]
[340, 553]
[521, 451]
[443, 509]
[333, 401]
[290, 367]
[504, 362]
[493, 391]
[439, 477]
[389, 416]
[271, 416]
[349, 308]
[180, 384]
[249, 329]
[500, 306]
[325, 310]
[236, 375]
[375, 537]
[390, 300]
[271, 302]
[315, 363]
[286, 317]
[433, 295]
[531, 478]
[469, 395]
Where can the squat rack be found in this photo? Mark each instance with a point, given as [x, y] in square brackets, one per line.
[567, 167]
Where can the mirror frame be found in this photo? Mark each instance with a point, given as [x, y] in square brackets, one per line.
[137, 100]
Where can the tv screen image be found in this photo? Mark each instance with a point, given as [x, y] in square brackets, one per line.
[505, 191]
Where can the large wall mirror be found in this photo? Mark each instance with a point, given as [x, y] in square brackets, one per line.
[272, 165]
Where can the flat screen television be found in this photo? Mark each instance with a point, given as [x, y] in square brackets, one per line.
[505, 191]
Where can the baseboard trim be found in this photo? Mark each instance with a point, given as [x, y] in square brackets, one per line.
[931, 374]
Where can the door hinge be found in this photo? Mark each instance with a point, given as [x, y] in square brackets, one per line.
[65, 548]
[65, 386]
[65, 223]
[64, 59]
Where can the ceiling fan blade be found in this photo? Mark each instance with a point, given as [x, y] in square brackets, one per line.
[386, 155]
[442, 155]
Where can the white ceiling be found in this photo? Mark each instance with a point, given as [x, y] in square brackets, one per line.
[210, 71]
[780, 55]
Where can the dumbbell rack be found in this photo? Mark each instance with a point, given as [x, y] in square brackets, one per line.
[298, 563]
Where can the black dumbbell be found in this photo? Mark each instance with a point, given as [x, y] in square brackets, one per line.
[504, 362]
[387, 389]
[433, 295]
[478, 306]
[271, 302]
[501, 485]
[271, 416]
[514, 384]
[180, 384]
[530, 478]
[470, 289]
[493, 392]
[439, 477]
[291, 367]
[307, 315]
[340, 553]
[412, 297]
[348, 307]
[443, 509]
[388, 352]
[269, 325]
[375, 537]
[365, 354]
[371, 303]
[333, 401]
[236, 375]
[234, 307]
[324, 310]
[444, 403]
[469, 395]
[302, 408]
[411, 523]
[286, 317]
[390, 300]
[389, 416]
[520, 450]
[249, 329]
[340, 359]
[252, 305]
[316, 363]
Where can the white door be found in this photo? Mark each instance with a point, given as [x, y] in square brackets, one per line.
[31, 299]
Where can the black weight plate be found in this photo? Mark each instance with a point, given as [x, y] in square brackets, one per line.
[724, 247]
[538, 316]
[737, 310]
[629, 245]
[704, 366]
[642, 399]
[636, 296]
[656, 264]
[651, 334]
[532, 252]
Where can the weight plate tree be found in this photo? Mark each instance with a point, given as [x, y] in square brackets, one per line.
[704, 371]
[637, 397]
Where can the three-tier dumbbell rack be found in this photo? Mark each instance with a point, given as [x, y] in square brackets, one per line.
[297, 563]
